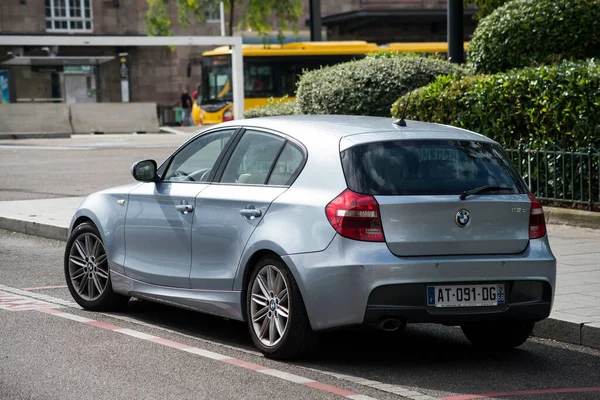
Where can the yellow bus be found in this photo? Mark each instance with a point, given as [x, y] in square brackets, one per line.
[273, 71]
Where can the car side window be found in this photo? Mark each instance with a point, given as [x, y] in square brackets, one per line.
[252, 159]
[286, 166]
[196, 160]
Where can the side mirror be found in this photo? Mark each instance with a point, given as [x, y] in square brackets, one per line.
[144, 171]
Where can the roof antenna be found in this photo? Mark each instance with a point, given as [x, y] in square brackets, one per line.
[401, 121]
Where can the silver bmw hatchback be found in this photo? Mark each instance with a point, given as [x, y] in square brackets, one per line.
[301, 224]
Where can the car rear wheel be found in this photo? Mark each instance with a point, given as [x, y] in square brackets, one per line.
[87, 272]
[276, 314]
[498, 335]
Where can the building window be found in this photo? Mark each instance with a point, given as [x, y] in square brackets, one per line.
[213, 13]
[68, 16]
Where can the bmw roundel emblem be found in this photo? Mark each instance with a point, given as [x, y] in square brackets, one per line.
[463, 218]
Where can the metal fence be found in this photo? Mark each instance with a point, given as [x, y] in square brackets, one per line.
[558, 176]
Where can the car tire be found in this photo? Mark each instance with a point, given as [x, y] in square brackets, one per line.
[87, 272]
[498, 335]
[298, 337]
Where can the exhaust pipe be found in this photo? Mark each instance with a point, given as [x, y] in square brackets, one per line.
[391, 324]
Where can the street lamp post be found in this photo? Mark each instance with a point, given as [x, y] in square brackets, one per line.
[315, 20]
[455, 31]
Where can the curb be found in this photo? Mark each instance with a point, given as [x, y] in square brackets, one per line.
[580, 333]
[578, 218]
[35, 135]
[34, 228]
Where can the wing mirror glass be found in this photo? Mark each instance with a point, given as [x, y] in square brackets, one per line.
[144, 171]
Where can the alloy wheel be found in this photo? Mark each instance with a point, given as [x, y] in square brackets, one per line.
[270, 305]
[88, 266]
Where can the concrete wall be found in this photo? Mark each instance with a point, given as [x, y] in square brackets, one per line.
[51, 118]
[34, 118]
[114, 117]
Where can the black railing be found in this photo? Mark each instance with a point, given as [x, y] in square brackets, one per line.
[558, 176]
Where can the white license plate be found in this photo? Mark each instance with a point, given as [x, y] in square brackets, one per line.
[466, 295]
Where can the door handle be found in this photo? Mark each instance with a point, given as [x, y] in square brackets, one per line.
[250, 213]
[184, 208]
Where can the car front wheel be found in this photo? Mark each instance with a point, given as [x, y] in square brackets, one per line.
[87, 272]
[276, 314]
[498, 335]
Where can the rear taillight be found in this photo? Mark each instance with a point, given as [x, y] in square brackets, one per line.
[355, 216]
[537, 223]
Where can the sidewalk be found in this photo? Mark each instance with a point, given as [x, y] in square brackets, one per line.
[575, 317]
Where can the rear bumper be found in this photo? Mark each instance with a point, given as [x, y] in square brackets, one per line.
[534, 311]
[353, 282]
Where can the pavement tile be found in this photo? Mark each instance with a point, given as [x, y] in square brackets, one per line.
[592, 289]
[578, 299]
[593, 313]
[568, 269]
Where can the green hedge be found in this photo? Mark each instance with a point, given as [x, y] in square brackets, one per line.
[524, 33]
[368, 86]
[271, 110]
[557, 104]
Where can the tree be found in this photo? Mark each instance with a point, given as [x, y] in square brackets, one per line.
[485, 7]
[257, 14]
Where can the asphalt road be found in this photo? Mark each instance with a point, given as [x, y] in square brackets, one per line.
[83, 164]
[45, 357]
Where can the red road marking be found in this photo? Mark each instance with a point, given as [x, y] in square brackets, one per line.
[45, 287]
[103, 325]
[50, 310]
[331, 389]
[244, 364]
[522, 393]
[170, 343]
[233, 361]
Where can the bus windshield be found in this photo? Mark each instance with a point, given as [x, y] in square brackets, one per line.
[217, 79]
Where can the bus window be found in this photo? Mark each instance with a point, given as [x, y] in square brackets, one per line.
[258, 81]
[289, 76]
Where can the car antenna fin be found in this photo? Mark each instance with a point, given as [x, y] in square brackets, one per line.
[402, 121]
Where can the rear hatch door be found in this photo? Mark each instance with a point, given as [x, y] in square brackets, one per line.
[418, 184]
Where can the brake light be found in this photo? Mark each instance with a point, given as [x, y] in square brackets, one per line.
[355, 216]
[228, 115]
[537, 223]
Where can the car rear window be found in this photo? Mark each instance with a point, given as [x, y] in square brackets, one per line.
[427, 167]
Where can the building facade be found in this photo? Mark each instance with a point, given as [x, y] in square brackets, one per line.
[387, 21]
[116, 74]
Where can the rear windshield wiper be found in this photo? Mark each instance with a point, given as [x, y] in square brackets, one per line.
[482, 189]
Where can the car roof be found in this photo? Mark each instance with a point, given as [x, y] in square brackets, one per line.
[356, 129]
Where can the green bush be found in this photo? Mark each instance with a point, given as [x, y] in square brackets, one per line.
[557, 104]
[524, 33]
[484, 7]
[272, 109]
[368, 86]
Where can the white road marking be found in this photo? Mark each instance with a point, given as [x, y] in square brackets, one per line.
[287, 376]
[13, 302]
[136, 334]
[384, 387]
[40, 296]
[206, 353]
[74, 317]
[388, 388]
